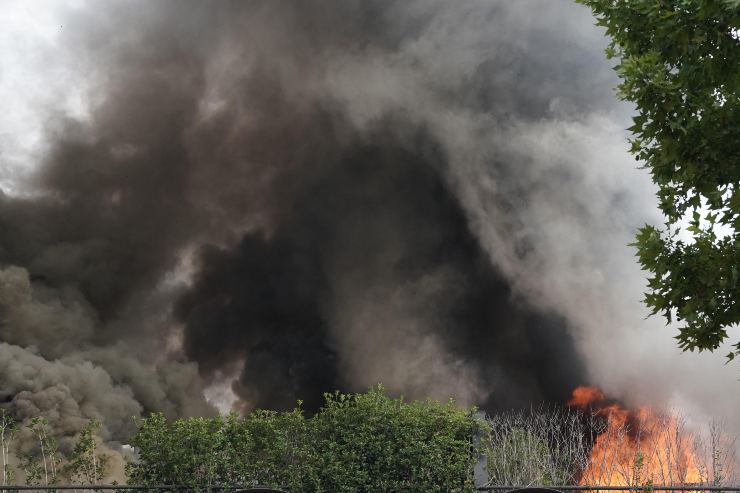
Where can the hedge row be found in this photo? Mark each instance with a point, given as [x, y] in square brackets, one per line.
[358, 442]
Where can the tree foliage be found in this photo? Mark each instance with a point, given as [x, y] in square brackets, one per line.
[8, 430]
[357, 442]
[86, 465]
[31, 448]
[679, 63]
[41, 464]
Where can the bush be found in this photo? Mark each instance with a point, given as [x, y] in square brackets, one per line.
[544, 447]
[265, 447]
[358, 442]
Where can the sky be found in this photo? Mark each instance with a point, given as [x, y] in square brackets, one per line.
[214, 205]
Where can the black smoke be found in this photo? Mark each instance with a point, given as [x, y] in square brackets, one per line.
[282, 191]
[378, 215]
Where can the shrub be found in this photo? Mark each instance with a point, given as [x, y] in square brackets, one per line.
[356, 442]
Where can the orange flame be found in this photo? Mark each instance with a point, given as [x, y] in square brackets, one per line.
[636, 447]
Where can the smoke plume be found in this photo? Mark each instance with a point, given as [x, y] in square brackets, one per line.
[267, 200]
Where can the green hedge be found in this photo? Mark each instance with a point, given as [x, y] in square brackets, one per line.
[359, 442]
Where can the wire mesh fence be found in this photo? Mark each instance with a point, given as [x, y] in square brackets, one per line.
[267, 489]
[566, 488]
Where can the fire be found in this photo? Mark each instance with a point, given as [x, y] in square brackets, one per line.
[636, 447]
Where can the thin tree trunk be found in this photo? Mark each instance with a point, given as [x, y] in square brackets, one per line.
[43, 456]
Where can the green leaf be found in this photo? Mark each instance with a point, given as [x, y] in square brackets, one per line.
[680, 67]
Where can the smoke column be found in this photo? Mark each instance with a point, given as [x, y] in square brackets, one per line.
[262, 201]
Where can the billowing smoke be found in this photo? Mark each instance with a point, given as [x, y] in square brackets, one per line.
[370, 273]
[285, 198]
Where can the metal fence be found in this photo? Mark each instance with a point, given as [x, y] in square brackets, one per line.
[265, 489]
[566, 488]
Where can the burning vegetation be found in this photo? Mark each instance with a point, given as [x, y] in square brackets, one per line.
[597, 441]
[642, 446]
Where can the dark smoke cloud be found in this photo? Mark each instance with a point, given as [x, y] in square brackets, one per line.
[284, 198]
[374, 248]
[334, 253]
